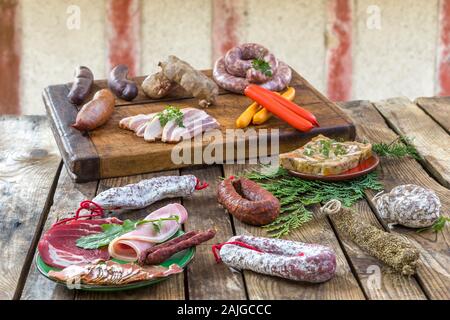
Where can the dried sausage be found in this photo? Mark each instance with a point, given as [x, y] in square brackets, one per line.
[248, 202]
[282, 258]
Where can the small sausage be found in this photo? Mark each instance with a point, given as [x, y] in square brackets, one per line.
[282, 258]
[81, 86]
[96, 112]
[162, 252]
[248, 202]
[119, 83]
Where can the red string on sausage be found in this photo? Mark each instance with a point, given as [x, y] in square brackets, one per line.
[216, 248]
[200, 185]
[95, 209]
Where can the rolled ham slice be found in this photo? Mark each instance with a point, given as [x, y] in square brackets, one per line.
[129, 246]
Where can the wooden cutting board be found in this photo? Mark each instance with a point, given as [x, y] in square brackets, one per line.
[112, 152]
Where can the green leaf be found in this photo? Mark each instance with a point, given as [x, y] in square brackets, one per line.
[171, 113]
[399, 148]
[438, 226]
[263, 66]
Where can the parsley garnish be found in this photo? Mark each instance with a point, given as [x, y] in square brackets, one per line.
[263, 66]
[171, 113]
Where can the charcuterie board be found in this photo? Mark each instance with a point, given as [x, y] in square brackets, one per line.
[112, 152]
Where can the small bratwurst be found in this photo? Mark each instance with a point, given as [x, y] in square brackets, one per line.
[248, 202]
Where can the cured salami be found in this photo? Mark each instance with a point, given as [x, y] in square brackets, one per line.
[282, 258]
[147, 192]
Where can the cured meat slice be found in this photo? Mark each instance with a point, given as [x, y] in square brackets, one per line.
[58, 248]
[153, 131]
[195, 122]
[101, 272]
[129, 246]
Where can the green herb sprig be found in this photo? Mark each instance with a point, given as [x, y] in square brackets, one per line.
[112, 231]
[171, 113]
[399, 148]
[263, 66]
[296, 195]
[438, 226]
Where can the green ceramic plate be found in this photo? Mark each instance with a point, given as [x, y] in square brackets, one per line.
[182, 258]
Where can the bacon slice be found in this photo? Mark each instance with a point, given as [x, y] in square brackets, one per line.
[102, 272]
[129, 246]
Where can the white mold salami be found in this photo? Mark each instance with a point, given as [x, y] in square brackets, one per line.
[282, 258]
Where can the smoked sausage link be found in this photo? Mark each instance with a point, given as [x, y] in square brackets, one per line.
[248, 202]
[81, 86]
[282, 258]
[119, 83]
[96, 112]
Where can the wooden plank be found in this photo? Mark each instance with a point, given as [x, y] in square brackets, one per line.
[434, 269]
[342, 286]
[9, 57]
[339, 50]
[66, 200]
[438, 109]
[123, 27]
[170, 289]
[206, 279]
[443, 49]
[431, 141]
[29, 163]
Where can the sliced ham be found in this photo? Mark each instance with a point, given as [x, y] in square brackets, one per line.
[129, 246]
[153, 131]
[58, 248]
[195, 122]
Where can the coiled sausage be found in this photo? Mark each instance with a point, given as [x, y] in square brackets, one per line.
[248, 202]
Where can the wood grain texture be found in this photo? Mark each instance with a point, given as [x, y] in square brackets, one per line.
[77, 150]
[29, 162]
[432, 142]
[437, 108]
[342, 286]
[66, 200]
[434, 268]
[117, 152]
[170, 289]
[208, 280]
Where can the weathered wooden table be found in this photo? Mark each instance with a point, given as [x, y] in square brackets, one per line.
[35, 189]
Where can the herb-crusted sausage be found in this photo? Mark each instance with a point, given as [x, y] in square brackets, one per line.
[119, 83]
[248, 202]
[81, 86]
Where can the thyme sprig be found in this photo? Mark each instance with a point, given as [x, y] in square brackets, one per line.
[438, 226]
[399, 148]
[263, 66]
[296, 195]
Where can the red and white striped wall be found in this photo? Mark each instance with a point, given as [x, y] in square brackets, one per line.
[327, 41]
